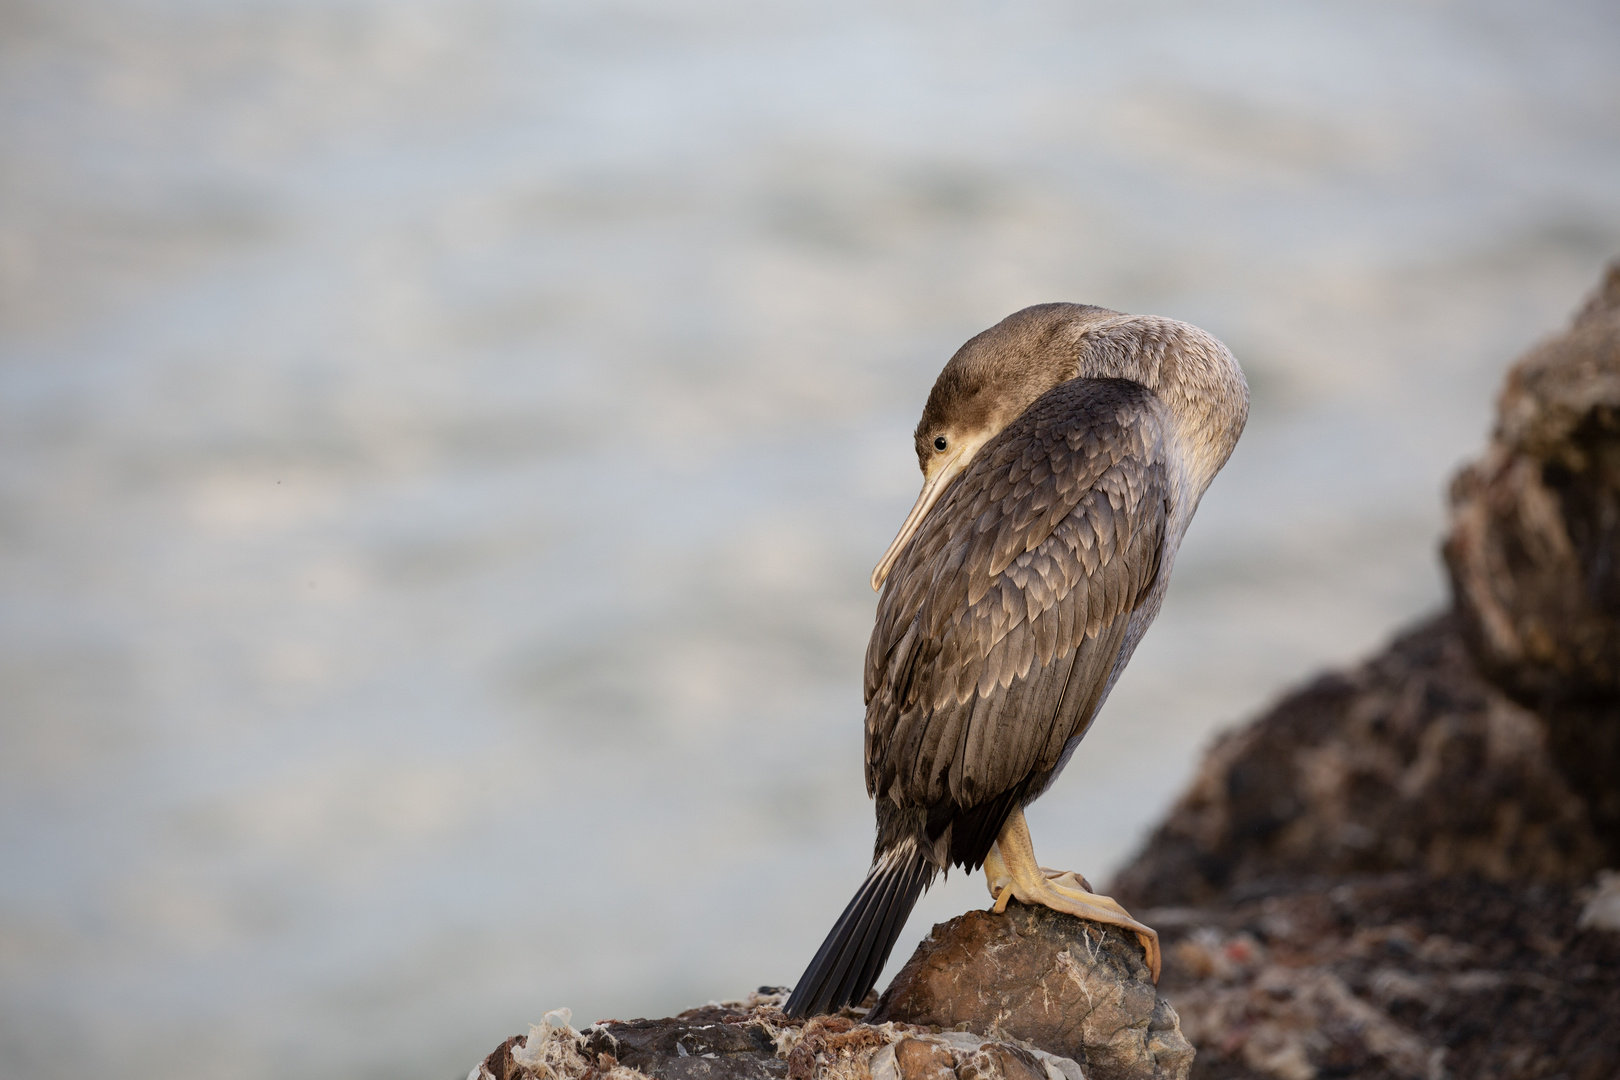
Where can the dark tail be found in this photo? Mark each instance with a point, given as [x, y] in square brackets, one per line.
[852, 957]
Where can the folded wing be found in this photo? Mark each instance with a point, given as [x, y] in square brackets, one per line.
[1001, 624]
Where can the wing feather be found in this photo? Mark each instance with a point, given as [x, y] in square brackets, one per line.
[1002, 621]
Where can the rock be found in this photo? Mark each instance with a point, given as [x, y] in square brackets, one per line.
[752, 1040]
[1395, 977]
[1395, 871]
[552, 1050]
[918, 1060]
[1047, 980]
[1041, 996]
[959, 1055]
[687, 1049]
[1411, 762]
[1534, 550]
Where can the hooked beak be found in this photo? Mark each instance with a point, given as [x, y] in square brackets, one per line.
[933, 488]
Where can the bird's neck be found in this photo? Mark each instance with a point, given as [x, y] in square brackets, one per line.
[1194, 375]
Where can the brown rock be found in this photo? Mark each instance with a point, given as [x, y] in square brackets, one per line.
[1534, 550]
[1412, 761]
[752, 1040]
[1475, 757]
[500, 1065]
[1051, 981]
[958, 1055]
[685, 1049]
[1535, 544]
[918, 1060]
[1399, 977]
[999, 1060]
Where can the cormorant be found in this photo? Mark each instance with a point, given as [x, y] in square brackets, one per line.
[1063, 453]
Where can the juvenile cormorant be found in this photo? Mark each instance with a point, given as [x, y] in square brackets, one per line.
[1063, 453]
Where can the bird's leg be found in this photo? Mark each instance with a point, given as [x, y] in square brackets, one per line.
[1011, 871]
[1000, 881]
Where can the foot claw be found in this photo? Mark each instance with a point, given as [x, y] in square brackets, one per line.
[1070, 878]
[1001, 901]
[1011, 871]
[1102, 909]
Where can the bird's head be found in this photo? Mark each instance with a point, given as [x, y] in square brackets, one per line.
[998, 374]
[986, 386]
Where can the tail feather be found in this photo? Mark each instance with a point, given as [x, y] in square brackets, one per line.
[886, 927]
[851, 959]
[867, 942]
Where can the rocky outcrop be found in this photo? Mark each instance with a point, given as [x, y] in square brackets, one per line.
[1534, 550]
[737, 1040]
[1074, 988]
[752, 1040]
[1395, 872]
[1396, 977]
[1411, 762]
[1028, 994]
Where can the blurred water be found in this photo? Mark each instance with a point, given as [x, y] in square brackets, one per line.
[445, 444]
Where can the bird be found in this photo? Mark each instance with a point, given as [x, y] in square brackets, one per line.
[1063, 452]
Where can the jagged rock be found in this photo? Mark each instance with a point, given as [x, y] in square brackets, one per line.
[1041, 996]
[1412, 761]
[959, 1055]
[752, 1040]
[1487, 740]
[1534, 550]
[1398, 977]
[689, 1049]
[552, 1050]
[717, 1042]
[1476, 756]
[1046, 979]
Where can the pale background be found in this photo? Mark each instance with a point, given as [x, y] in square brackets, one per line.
[443, 446]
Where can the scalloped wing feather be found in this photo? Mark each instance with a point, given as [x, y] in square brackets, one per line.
[1003, 619]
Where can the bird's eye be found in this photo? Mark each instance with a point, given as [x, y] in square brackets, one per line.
[939, 443]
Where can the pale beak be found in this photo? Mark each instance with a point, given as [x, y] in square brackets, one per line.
[933, 488]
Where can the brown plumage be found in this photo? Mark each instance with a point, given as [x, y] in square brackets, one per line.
[1007, 611]
[1063, 451]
